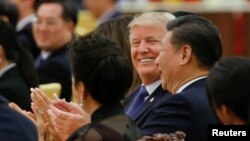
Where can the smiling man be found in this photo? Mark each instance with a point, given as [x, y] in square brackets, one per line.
[146, 33]
[53, 31]
[190, 48]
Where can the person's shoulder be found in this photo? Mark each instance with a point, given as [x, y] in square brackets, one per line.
[13, 122]
[12, 79]
[171, 101]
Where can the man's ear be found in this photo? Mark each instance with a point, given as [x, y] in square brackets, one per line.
[186, 52]
[225, 114]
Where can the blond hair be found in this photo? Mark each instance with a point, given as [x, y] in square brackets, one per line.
[151, 19]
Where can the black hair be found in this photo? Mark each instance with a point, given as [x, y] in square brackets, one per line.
[99, 64]
[69, 13]
[10, 11]
[17, 54]
[182, 13]
[201, 34]
[228, 84]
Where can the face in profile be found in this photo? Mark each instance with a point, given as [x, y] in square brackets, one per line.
[145, 46]
[168, 61]
[50, 29]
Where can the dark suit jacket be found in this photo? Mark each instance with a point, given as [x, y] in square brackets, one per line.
[188, 111]
[14, 126]
[107, 123]
[14, 88]
[56, 69]
[26, 39]
[147, 106]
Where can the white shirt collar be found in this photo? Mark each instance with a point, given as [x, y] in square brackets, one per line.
[153, 86]
[45, 54]
[23, 22]
[189, 83]
[5, 69]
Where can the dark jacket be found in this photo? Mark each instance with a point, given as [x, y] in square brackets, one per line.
[14, 126]
[14, 88]
[56, 69]
[188, 111]
[147, 106]
[26, 39]
[108, 123]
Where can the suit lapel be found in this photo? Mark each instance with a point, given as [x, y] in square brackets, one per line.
[151, 100]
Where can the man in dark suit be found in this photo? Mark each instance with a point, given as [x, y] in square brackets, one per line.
[14, 88]
[14, 126]
[190, 48]
[17, 70]
[53, 30]
[145, 41]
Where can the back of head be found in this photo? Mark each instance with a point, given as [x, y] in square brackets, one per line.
[151, 19]
[9, 11]
[99, 64]
[17, 54]
[10, 46]
[70, 12]
[201, 34]
[228, 84]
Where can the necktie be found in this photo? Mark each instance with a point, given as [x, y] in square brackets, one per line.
[39, 61]
[137, 102]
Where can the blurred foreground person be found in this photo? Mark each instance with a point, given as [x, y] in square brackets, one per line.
[17, 70]
[228, 90]
[14, 126]
[100, 72]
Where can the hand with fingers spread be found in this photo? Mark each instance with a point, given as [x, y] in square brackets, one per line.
[67, 117]
[41, 103]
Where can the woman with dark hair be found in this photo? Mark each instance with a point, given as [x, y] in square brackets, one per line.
[17, 71]
[102, 75]
[101, 78]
